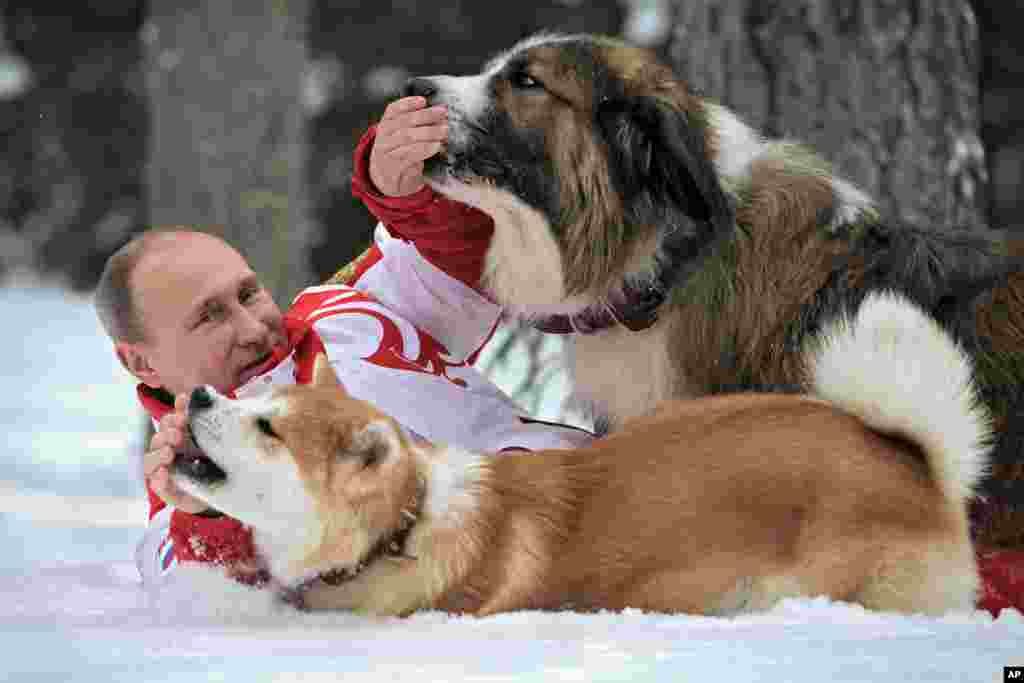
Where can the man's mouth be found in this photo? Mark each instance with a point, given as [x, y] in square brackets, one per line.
[254, 368]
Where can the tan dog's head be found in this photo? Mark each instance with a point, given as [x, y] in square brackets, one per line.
[590, 151]
[321, 477]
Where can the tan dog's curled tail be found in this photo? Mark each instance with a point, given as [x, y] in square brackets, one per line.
[896, 369]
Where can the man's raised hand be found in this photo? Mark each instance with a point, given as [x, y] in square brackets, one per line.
[408, 134]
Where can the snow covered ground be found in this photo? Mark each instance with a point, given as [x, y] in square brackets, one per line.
[71, 608]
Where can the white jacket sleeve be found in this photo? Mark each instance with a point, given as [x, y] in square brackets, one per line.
[154, 553]
[454, 314]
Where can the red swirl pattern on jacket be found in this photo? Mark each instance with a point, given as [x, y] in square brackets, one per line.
[392, 344]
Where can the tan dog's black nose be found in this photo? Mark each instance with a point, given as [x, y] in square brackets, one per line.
[200, 400]
[423, 87]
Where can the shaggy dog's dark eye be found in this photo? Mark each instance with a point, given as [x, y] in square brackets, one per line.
[263, 424]
[524, 81]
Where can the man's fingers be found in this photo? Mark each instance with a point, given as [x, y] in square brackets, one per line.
[414, 117]
[411, 136]
[400, 172]
[159, 479]
[162, 484]
[408, 133]
[398, 134]
[157, 458]
[403, 105]
[412, 154]
[423, 117]
[173, 437]
[172, 420]
[171, 430]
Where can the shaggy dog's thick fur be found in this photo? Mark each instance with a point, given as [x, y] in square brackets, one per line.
[691, 255]
[717, 505]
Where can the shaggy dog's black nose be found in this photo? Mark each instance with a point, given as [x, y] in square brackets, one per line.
[423, 87]
[201, 400]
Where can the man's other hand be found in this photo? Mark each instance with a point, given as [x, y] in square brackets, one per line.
[156, 463]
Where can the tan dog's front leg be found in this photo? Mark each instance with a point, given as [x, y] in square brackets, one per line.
[392, 586]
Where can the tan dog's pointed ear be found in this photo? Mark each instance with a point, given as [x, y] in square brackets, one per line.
[375, 442]
[323, 373]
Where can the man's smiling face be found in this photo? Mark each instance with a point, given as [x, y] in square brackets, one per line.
[206, 317]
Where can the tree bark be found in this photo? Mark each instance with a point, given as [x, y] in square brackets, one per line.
[228, 147]
[1002, 127]
[887, 90]
[72, 135]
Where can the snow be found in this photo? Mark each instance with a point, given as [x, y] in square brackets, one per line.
[71, 607]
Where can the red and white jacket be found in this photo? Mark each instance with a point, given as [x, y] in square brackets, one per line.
[403, 334]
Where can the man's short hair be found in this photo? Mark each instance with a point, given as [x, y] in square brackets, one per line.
[114, 296]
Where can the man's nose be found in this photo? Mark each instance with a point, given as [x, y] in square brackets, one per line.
[252, 329]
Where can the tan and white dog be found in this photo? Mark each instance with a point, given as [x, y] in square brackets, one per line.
[713, 506]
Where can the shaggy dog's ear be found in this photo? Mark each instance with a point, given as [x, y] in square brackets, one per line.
[656, 149]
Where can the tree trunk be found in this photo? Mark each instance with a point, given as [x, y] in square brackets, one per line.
[886, 90]
[73, 130]
[1002, 93]
[228, 149]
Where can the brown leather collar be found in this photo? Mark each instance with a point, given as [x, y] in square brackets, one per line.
[390, 546]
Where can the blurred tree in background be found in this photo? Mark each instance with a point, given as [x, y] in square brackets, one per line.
[227, 149]
[1002, 108]
[243, 115]
[887, 91]
[74, 126]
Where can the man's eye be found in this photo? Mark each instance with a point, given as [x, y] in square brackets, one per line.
[248, 294]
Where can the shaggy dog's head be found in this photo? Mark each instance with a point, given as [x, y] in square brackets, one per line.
[592, 157]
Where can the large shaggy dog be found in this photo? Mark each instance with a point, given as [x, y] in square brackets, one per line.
[688, 254]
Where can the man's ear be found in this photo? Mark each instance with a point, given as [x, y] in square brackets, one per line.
[135, 361]
[323, 373]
